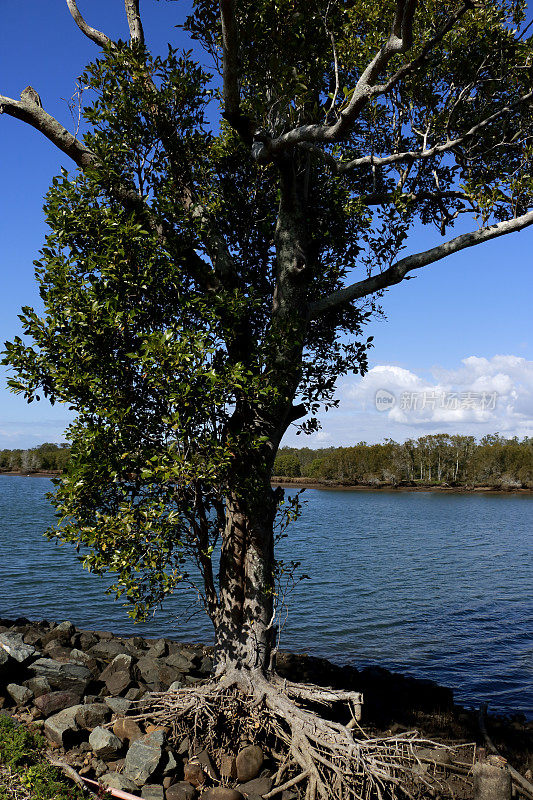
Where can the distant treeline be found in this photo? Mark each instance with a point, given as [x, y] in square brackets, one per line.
[440, 459]
[45, 458]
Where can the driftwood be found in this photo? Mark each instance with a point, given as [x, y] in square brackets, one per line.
[71, 773]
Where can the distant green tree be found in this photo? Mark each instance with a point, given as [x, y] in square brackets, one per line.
[287, 465]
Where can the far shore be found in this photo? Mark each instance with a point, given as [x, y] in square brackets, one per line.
[308, 483]
[39, 474]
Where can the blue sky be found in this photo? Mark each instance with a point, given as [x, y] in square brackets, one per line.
[475, 305]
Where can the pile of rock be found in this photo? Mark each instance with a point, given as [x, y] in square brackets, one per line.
[81, 688]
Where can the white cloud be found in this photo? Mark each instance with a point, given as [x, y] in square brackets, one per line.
[480, 396]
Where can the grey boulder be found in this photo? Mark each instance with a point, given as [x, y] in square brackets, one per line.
[121, 663]
[14, 645]
[107, 649]
[114, 780]
[61, 727]
[104, 743]
[155, 672]
[119, 705]
[20, 694]
[152, 791]
[60, 675]
[91, 715]
[142, 760]
[179, 662]
[4, 661]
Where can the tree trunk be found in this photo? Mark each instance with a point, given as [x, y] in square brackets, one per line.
[244, 625]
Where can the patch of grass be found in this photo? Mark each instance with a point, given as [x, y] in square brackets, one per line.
[22, 756]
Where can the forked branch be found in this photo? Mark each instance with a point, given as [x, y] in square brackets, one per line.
[399, 41]
[98, 37]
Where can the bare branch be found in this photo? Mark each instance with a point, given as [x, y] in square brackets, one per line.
[230, 72]
[134, 21]
[96, 36]
[399, 41]
[340, 167]
[38, 118]
[417, 155]
[230, 45]
[336, 65]
[397, 272]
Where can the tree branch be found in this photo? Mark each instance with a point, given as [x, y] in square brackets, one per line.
[134, 21]
[39, 119]
[127, 196]
[220, 257]
[397, 272]
[399, 41]
[386, 198]
[230, 73]
[417, 155]
[230, 47]
[96, 36]
[297, 412]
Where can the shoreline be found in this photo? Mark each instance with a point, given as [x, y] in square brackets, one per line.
[40, 474]
[307, 483]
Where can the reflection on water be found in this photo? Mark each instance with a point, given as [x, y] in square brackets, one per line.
[439, 586]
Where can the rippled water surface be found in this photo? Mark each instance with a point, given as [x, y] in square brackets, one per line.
[437, 586]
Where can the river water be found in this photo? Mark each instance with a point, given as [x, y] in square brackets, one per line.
[434, 585]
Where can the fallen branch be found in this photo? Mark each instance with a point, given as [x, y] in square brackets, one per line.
[120, 793]
[71, 773]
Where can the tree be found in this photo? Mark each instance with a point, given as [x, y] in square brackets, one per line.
[287, 464]
[195, 281]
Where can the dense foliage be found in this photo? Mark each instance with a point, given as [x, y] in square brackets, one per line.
[440, 459]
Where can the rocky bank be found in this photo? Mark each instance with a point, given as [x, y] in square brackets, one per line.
[82, 688]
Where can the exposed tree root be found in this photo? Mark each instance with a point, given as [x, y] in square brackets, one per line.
[317, 757]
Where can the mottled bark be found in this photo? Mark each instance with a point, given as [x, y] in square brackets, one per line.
[245, 634]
